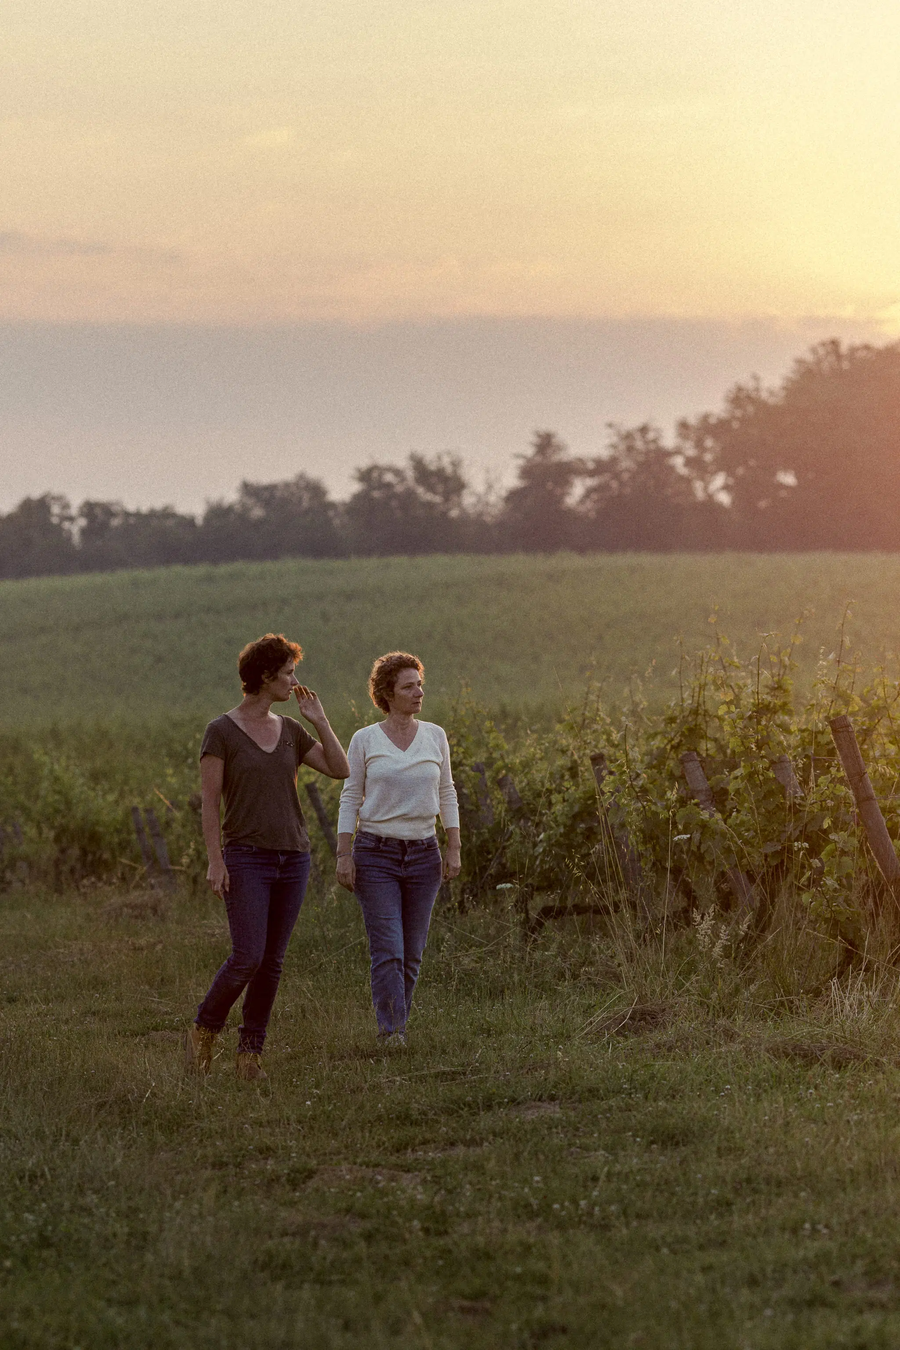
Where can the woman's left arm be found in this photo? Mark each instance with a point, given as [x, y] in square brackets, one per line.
[452, 855]
[328, 757]
[449, 807]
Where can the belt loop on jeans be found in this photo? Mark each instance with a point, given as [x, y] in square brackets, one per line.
[379, 840]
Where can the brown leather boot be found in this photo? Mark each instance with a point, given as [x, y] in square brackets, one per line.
[199, 1043]
[248, 1067]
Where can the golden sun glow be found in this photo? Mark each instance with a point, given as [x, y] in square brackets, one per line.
[226, 163]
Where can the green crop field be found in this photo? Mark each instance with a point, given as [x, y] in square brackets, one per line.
[526, 633]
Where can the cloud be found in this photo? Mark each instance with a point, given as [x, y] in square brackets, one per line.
[19, 244]
[272, 138]
[31, 245]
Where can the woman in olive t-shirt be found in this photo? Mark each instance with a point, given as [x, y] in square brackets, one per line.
[249, 758]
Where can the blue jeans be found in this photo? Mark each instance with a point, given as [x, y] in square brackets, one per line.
[397, 881]
[263, 901]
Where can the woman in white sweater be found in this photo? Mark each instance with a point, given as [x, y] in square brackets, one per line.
[399, 781]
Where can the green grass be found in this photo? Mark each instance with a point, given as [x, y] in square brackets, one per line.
[525, 632]
[523, 1176]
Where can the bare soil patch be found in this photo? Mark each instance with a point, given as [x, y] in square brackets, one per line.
[349, 1175]
[535, 1110]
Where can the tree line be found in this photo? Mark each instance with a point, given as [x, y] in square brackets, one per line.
[811, 464]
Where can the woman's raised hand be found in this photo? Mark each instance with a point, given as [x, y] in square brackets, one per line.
[309, 705]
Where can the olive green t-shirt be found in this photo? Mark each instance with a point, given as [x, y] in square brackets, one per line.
[259, 787]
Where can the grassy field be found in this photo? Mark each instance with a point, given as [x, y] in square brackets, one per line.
[528, 1174]
[526, 633]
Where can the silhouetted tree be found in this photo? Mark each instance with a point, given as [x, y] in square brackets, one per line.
[419, 509]
[37, 539]
[112, 537]
[537, 513]
[295, 518]
[639, 496]
[814, 463]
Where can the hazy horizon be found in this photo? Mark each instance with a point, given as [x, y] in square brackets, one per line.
[179, 414]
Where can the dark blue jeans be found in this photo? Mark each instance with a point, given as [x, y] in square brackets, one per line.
[397, 881]
[263, 900]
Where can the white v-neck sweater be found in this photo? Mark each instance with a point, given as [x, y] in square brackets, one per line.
[396, 792]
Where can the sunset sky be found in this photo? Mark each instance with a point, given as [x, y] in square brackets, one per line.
[432, 162]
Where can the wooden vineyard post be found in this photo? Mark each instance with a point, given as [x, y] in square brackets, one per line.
[483, 796]
[783, 770]
[517, 815]
[696, 781]
[8, 834]
[159, 844]
[510, 794]
[158, 866]
[143, 841]
[628, 860]
[742, 887]
[478, 814]
[318, 806]
[866, 804]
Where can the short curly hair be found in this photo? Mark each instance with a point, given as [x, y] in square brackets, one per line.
[384, 676]
[262, 659]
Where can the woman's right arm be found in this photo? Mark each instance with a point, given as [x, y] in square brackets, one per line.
[212, 774]
[353, 795]
[346, 867]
